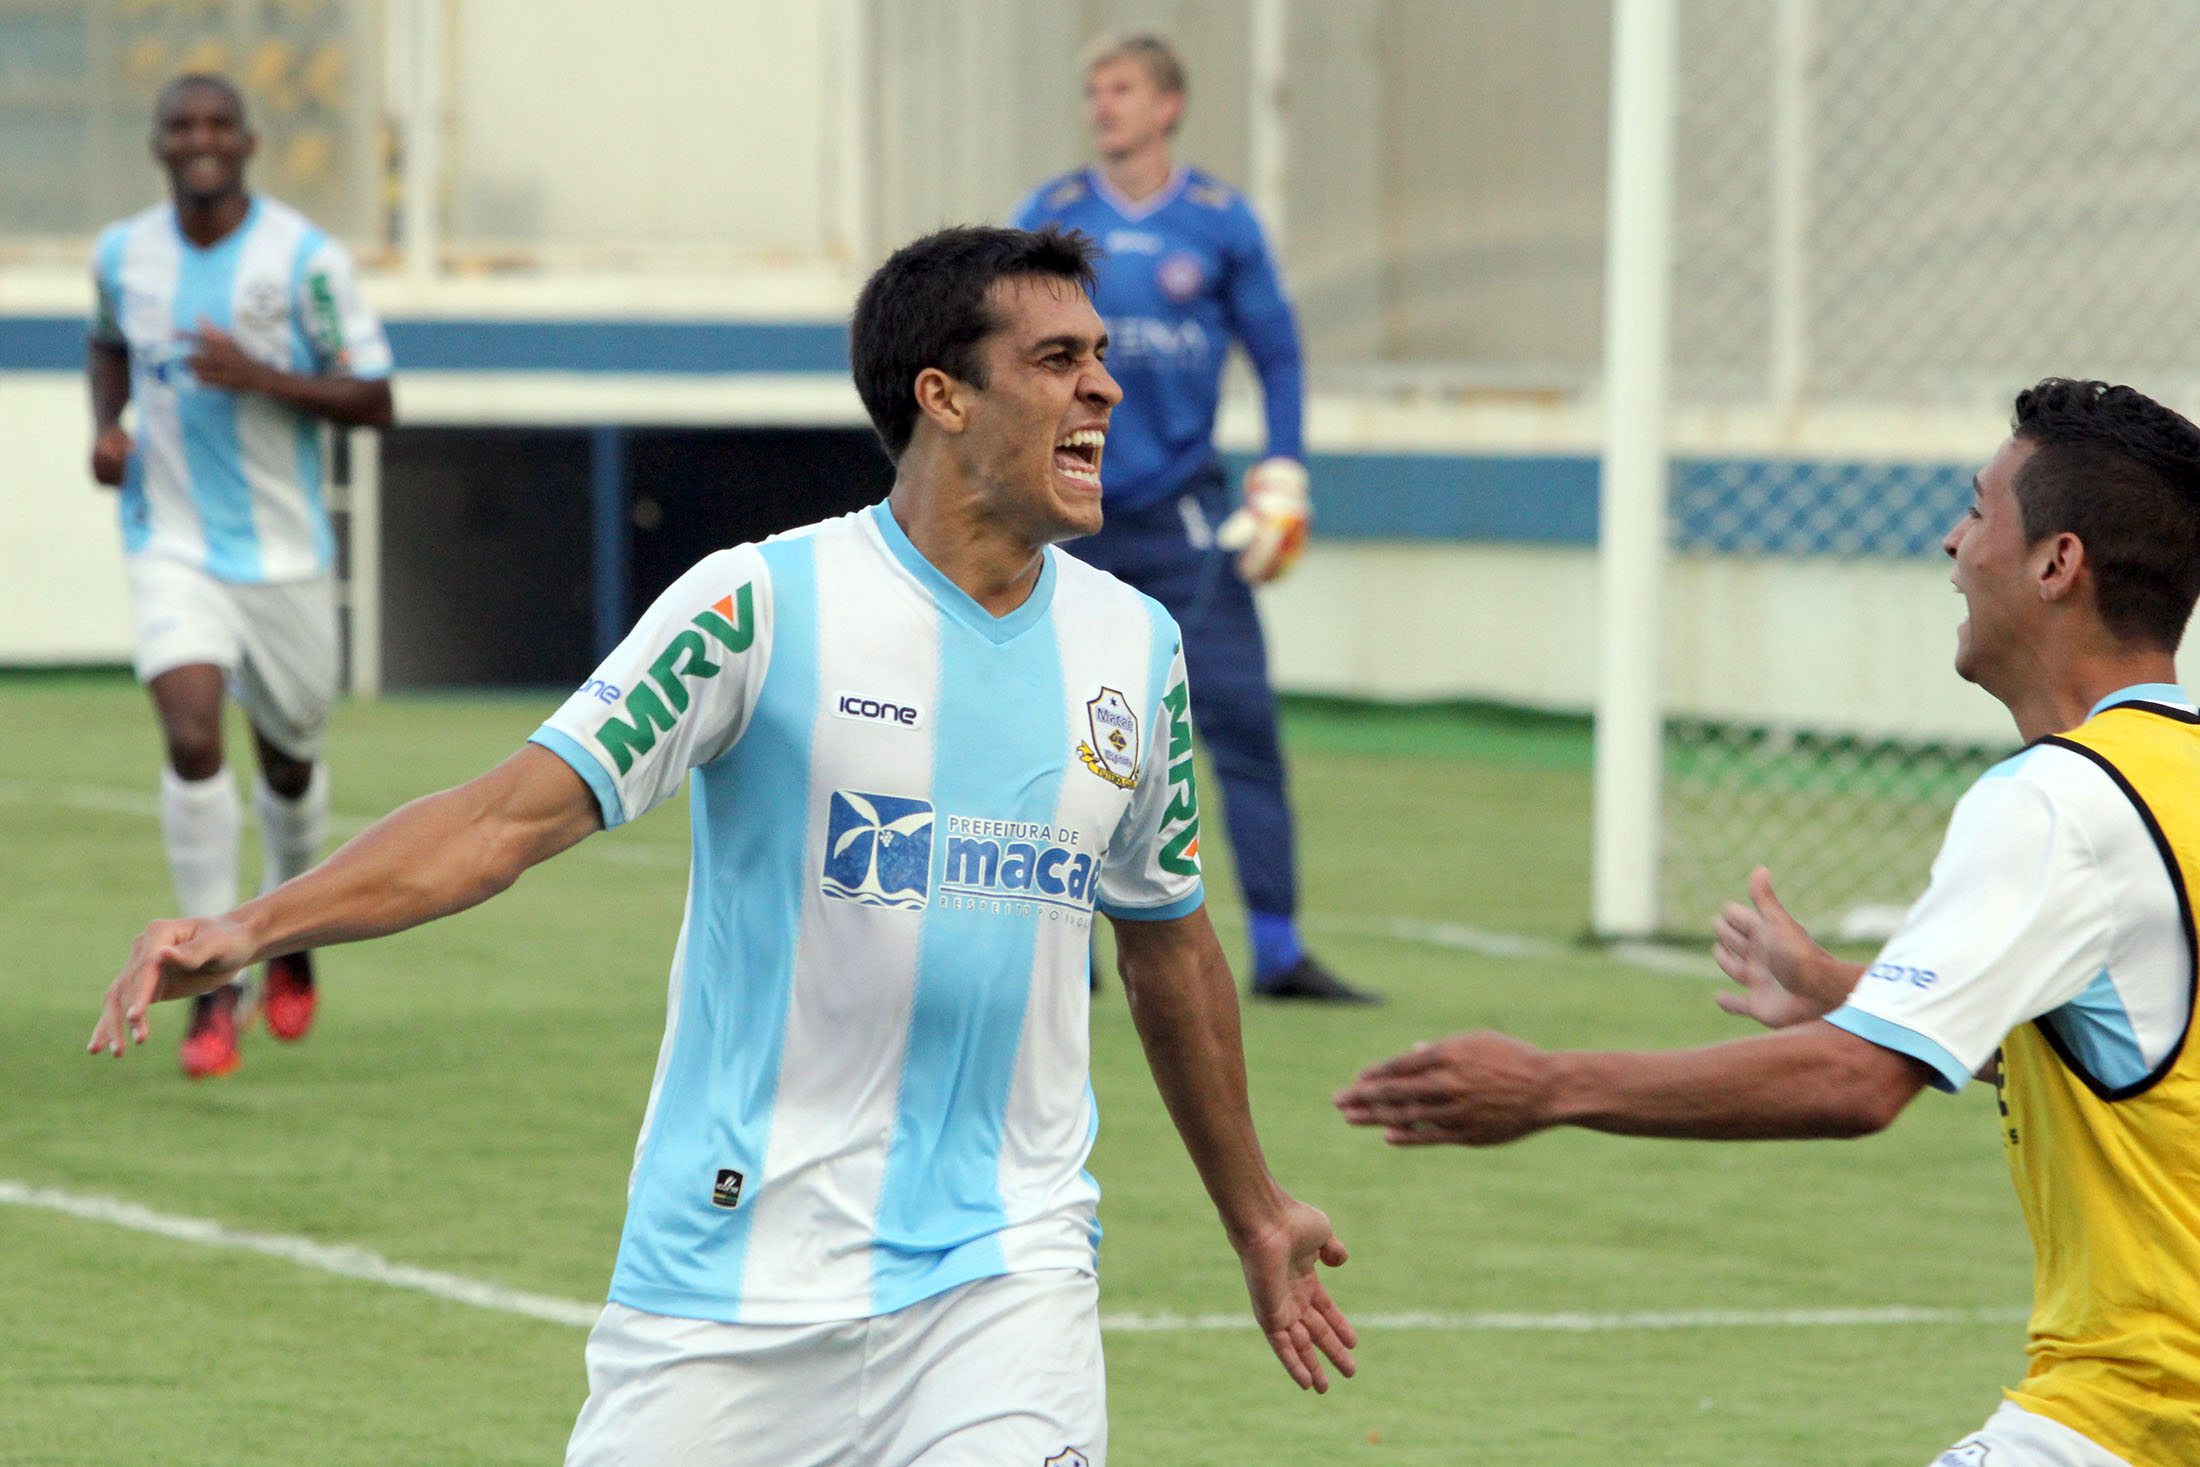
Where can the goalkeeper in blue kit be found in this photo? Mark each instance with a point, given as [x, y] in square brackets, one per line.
[1183, 269]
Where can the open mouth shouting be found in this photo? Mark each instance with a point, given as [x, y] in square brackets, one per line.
[1077, 455]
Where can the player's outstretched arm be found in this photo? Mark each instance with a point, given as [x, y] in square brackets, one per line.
[1184, 1002]
[1485, 1089]
[440, 854]
[1786, 978]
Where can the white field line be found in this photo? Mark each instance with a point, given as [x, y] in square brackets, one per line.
[1452, 935]
[359, 1263]
[353, 1263]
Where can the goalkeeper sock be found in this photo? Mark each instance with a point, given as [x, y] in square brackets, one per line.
[201, 821]
[1275, 943]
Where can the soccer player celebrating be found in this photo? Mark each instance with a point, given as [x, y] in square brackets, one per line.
[236, 327]
[1183, 269]
[925, 747]
[2052, 951]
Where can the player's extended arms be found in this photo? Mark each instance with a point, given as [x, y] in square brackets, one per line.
[107, 370]
[1786, 978]
[1484, 1089]
[1184, 1002]
[440, 854]
[355, 402]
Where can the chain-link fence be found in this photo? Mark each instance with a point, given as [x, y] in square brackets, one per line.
[1890, 216]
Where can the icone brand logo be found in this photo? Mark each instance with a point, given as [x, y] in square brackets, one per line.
[654, 706]
[1902, 973]
[857, 707]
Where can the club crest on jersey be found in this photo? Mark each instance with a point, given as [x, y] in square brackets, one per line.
[1112, 752]
[1180, 277]
[878, 850]
[1067, 1457]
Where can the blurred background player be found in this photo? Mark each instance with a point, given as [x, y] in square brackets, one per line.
[2052, 953]
[1183, 268]
[236, 327]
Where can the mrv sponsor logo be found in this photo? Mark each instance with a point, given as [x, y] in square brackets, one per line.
[878, 850]
[654, 705]
[877, 710]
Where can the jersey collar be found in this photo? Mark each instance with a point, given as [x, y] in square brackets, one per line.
[2145, 693]
[952, 599]
[244, 227]
[1136, 211]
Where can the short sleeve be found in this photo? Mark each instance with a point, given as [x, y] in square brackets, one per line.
[676, 693]
[1151, 873]
[345, 338]
[106, 322]
[2014, 923]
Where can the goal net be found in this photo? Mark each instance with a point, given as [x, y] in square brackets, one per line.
[1888, 217]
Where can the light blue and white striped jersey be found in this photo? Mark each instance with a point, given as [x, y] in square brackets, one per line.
[874, 1079]
[230, 482]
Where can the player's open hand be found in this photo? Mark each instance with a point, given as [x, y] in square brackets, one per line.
[111, 455]
[1302, 1322]
[173, 959]
[1480, 1089]
[1765, 950]
[217, 360]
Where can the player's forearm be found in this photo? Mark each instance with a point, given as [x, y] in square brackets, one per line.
[1809, 1081]
[352, 402]
[438, 855]
[1184, 1004]
[1274, 349]
[107, 371]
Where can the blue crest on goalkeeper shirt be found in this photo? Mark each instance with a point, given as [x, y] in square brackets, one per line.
[878, 850]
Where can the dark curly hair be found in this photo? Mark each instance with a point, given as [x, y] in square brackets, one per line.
[2122, 473]
[926, 307]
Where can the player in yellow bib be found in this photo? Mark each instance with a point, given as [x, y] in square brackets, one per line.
[2053, 950]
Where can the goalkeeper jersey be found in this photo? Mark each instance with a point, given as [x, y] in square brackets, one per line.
[874, 1081]
[1180, 273]
[230, 482]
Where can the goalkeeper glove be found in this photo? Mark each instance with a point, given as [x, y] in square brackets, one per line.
[1269, 530]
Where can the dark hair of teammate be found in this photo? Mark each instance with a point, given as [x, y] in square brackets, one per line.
[2122, 473]
[926, 307]
[192, 80]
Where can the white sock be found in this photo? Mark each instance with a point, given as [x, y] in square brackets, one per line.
[200, 823]
[291, 831]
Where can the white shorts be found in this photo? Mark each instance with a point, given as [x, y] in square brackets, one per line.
[2015, 1437]
[277, 642]
[1004, 1370]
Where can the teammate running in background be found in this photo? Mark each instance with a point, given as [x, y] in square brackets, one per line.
[925, 746]
[1183, 269]
[2053, 950]
[236, 327]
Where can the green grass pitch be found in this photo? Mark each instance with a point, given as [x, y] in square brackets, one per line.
[470, 1099]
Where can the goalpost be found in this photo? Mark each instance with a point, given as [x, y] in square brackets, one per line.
[1842, 235]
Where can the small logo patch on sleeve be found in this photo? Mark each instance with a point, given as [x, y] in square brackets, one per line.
[727, 1191]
